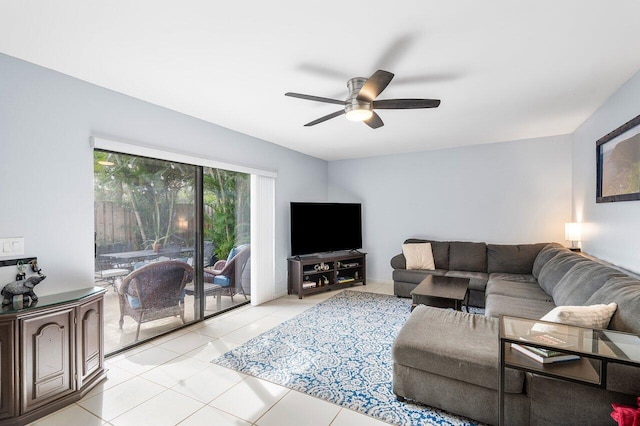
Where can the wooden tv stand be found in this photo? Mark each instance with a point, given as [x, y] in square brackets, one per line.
[318, 273]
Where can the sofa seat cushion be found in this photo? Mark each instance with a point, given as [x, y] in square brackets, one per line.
[625, 291]
[556, 268]
[477, 280]
[519, 278]
[454, 344]
[415, 275]
[512, 258]
[581, 281]
[466, 256]
[522, 290]
[560, 403]
[623, 378]
[497, 304]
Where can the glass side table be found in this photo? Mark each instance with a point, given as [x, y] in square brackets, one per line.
[595, 348]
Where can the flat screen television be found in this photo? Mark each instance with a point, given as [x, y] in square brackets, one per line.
[325, 227]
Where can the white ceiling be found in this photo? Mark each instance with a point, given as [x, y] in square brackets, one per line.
[504, 69]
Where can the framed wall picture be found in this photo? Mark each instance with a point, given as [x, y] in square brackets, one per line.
[618, 163]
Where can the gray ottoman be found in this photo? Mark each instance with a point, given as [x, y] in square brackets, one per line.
[432, 366]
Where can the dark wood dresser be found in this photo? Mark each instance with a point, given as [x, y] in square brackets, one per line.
[51, 353]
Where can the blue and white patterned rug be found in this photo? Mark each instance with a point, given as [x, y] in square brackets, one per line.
[340, 351]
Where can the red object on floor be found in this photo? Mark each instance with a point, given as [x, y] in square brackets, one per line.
[625, 415]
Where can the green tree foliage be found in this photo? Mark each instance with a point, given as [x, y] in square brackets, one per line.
[227, 209]
[150, 188]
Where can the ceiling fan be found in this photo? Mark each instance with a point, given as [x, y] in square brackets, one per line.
[360, 103]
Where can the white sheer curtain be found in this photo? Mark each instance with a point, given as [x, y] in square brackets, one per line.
[263, 282]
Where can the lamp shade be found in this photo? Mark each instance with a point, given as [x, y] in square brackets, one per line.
[572, 231]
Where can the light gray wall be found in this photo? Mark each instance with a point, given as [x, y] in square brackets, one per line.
[611, 231]
[513, 192]
[46, 164]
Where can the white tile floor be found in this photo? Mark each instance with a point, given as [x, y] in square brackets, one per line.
[171, 381]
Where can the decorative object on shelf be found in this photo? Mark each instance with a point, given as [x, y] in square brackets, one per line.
[308, 284]
[22, 287]
[34, 267]
[544, 356]
[618, 160]
[21, 275]
[573, 233]
[321, 267]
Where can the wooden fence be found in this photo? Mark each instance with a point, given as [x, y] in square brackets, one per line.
[116, 224]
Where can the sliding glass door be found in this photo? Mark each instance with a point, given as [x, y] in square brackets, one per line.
[227, 236]
[153, 219]
[144, 245]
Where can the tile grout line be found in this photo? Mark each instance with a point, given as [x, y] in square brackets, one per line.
[272, 405]
[281, 309]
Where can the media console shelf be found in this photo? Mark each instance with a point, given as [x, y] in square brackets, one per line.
[317, 273]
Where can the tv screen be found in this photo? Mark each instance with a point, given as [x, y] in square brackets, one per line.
[325, 227]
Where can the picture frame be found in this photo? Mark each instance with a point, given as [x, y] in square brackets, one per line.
[618, 164]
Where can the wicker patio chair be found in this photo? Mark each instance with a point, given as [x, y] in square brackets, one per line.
[154, 291]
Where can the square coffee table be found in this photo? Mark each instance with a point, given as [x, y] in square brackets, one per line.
[442, 292]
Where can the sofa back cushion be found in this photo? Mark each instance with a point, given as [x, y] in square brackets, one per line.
[512, 259]
[556, 268]
[440, 250]
[625, 291]
[581, 281]
[545, 255]
[465, 256]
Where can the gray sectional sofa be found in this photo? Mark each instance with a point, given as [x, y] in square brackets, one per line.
[475, 261]
[449, 359]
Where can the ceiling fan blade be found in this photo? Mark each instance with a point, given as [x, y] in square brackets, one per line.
[325, 118]
[406, 103]
[374, 122]
[375, 85]
[315, 98]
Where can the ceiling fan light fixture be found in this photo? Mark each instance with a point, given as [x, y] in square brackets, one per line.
[361, 100]
[359, 114]
[354, 109]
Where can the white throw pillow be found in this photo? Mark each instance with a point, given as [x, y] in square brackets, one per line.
[419, 256]
[594, 316]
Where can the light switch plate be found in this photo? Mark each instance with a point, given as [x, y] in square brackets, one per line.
[12, 246]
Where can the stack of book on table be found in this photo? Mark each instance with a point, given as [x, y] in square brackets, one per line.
[545, 356]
